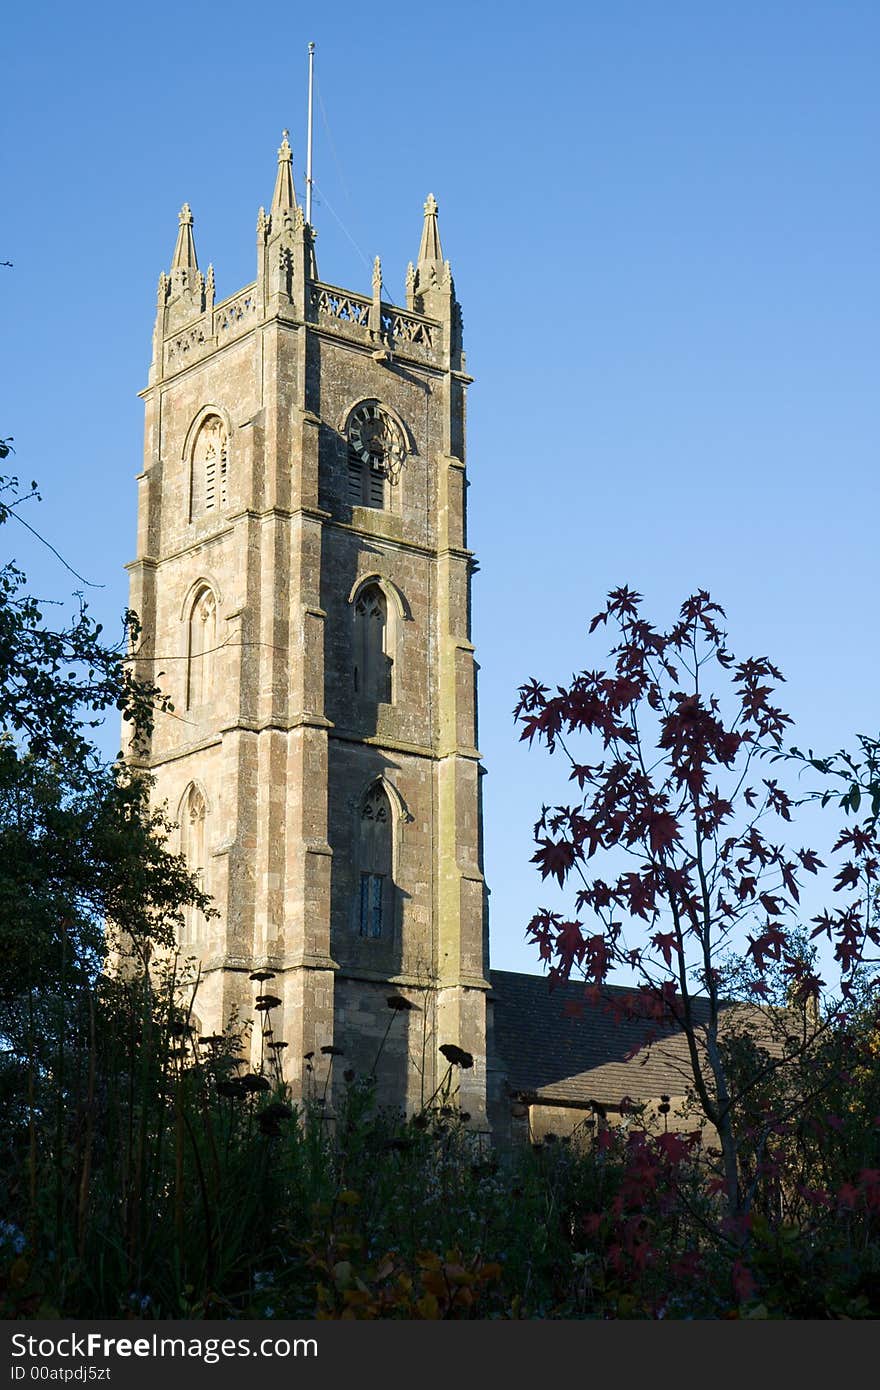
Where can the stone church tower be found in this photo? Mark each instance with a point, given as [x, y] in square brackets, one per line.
[303, 579]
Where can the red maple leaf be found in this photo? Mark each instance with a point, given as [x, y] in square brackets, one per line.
[769, 943]
[570, 944]
[848, 877]
[666, 944]
[554, 857]
[663, 830]
[676, 1147]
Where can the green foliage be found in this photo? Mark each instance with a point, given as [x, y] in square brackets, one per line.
[79, 845]
[170, 1190]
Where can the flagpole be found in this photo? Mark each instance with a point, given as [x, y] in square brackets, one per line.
[309, 140]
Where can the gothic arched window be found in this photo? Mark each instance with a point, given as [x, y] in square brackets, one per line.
[375, 887]
[373, 662]
[209, 476]
[192, 846]
[201, 642]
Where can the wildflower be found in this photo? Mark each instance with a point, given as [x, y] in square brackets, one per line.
[270, 1119]
[278, 1110]
[253, 1083]
[231, 1088]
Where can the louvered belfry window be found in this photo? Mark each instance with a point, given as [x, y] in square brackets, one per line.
[210, 468]
[366, 486]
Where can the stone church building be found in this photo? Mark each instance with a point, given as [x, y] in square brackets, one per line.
[303, 578]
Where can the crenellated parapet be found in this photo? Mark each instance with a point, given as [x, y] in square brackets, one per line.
[427, 331]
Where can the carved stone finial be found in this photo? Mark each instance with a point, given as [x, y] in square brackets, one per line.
[284, 197]
[430, 251]
[184, 257]
[377, 277]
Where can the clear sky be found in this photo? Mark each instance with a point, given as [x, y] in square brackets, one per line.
[664, 226]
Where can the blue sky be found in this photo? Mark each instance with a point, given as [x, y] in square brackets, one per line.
[663, 224]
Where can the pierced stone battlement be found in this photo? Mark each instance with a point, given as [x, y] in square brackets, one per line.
[412, 335]
[189, 326]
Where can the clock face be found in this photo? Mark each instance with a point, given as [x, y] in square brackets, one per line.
[376, 438]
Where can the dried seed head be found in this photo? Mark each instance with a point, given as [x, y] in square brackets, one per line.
[398, 1002]
[456, 1056]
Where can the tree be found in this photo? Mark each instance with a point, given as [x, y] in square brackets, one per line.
[678, 841]
[80, 847]
[83, 862]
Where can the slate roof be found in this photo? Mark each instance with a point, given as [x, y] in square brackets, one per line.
[550, 1055]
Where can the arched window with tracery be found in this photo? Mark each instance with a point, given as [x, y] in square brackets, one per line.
[377, 450]
[201, 644]
[210, 468]
[373, 661]
[193, 813]
[375, 859]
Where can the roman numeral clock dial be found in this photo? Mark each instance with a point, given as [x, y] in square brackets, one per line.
[377, 440]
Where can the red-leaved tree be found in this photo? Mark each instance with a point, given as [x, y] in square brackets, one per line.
[680, 841]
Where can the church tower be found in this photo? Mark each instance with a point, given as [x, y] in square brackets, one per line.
[303, 580]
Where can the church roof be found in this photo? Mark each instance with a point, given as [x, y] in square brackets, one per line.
[550, 1052]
